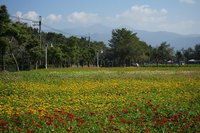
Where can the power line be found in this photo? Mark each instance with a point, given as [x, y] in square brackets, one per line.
[49, 27]
[24, 19]
[60, 31]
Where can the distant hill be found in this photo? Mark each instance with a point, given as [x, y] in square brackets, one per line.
[103, 33]
[177, 41]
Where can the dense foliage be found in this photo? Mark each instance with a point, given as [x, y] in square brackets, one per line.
[22, 49]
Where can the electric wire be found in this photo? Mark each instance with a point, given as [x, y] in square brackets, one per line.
[49, 27]
[20, 18]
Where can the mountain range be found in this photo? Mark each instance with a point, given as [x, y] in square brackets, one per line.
[103, 33]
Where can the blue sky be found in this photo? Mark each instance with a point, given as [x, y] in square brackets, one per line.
[179, 16]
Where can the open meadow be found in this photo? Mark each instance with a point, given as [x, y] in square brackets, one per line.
[101, 100]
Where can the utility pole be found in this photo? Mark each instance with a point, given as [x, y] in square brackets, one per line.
[46, 56]
[40, 24]
[88, 62]
[89, 41]
[98, 52]
[18, 19]
[98, 59]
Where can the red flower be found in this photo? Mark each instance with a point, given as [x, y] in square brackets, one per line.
[99, 117]
[112, 116]
[48, 117]
[123, 121]
[56, 125]
[80, 120]
[116, 129]
[155, 122]
[154, 109]
[125, 111]
[3, 123]
[173, 120]
[163, 121]
[92, 113]
[198, 116]
[28, 131]
[55, 114]
[165, 115]
[70, 115]
[129, 122]
[79, 125]
[36, 125]
[48, 123]
[146, 130]
[60, 112]
[19, 130]
[176, 116]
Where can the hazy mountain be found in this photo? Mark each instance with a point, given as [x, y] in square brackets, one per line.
[103, 33]
[177, 41]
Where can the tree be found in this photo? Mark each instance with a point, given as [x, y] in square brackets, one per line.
[127, 48]
[163, 53]
[37, 54]
[197, 51]
[98, 48]
[108, 57]
[55, 38]
[56, 55]
[124, 44]
[74, 53]
[189, 54]
[142, 54]
[179, 56]
[18, 35]
[3, 48]
[4, 19]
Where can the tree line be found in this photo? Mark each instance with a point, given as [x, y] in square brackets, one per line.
[20, 49]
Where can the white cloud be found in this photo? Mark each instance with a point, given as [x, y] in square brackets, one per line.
[83, 18]
[52, 18]
[188, 1]
[164, 11]
[18, 14]
[141, 15]
[28, 17]
[32, 15]
[138, 17]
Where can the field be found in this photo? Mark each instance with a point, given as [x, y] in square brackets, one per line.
[101, 100]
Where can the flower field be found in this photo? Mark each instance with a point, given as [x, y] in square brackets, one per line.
[101, 100]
